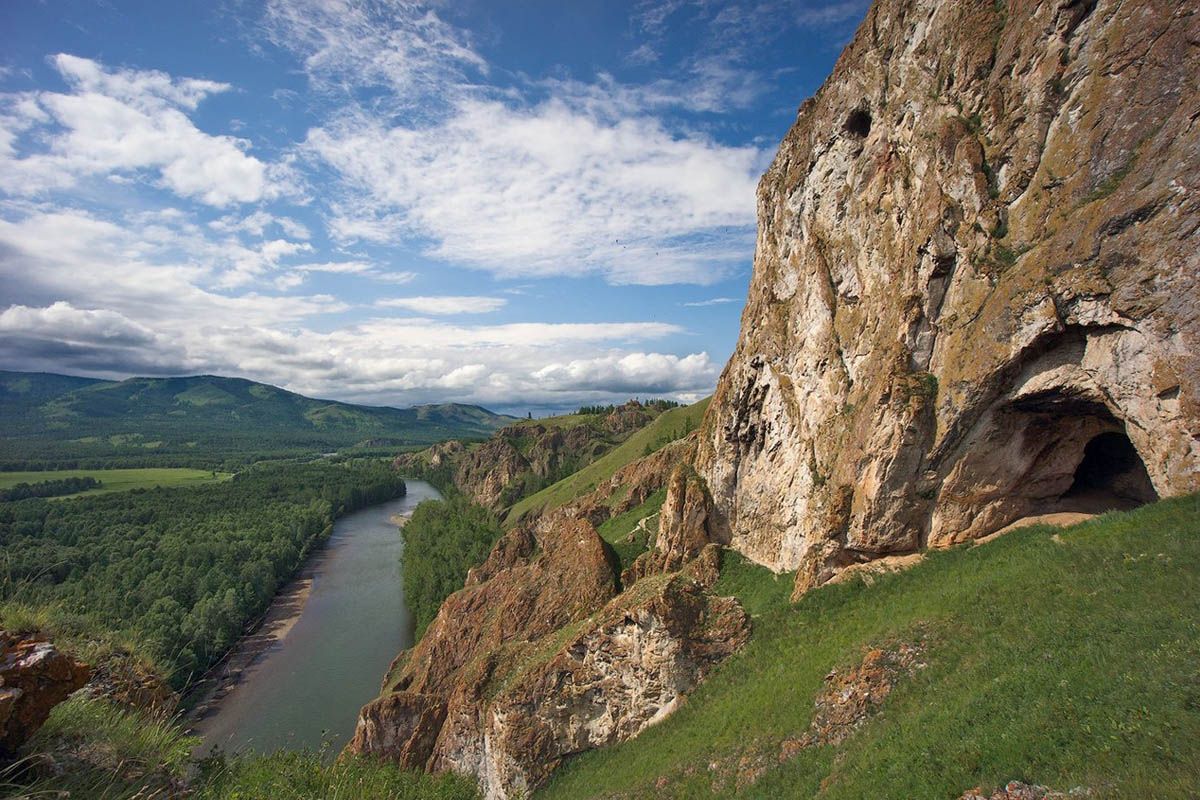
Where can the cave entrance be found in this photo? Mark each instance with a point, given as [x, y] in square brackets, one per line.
[1110, 476]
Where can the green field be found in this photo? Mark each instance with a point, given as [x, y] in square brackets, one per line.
[655, 435]
[1065, 658]
[118, 480]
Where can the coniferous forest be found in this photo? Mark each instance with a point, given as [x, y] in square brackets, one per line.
[181, 570]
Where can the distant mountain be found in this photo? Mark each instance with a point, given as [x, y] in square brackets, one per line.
[204, 418]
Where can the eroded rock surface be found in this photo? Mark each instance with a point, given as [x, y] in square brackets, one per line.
[975, 292]
[538, 658]
[34, 677]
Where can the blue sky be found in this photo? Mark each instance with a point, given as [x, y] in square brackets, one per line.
[527, 205]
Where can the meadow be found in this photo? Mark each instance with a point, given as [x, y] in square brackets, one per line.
[119, 480]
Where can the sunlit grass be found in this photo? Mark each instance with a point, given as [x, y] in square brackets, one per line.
[118, 480]
[603, 468]
[1065, 658]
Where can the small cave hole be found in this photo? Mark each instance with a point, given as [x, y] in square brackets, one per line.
[858, 124]
[1111, 476]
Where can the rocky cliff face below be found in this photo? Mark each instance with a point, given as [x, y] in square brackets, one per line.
[975, 292]
[520, 459]
[538, 657]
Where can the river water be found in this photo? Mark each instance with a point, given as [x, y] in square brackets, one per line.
[306, 689]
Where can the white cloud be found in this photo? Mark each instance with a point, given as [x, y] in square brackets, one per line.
[715, 301]
[632, 372]
[123, 123]
[398, 44]
[444, 305]
[548, 190]
[138, 296]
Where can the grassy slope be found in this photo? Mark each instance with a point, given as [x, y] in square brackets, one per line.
[110, 754]
[633, 448]
[1065, 660]
[118, 480]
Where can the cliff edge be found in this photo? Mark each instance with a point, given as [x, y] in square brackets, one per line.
[975, 290]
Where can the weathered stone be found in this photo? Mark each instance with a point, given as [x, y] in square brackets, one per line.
[975, 291]
[538, 658]
[34, 677]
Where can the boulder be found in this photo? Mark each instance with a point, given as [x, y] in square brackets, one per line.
[35, 676]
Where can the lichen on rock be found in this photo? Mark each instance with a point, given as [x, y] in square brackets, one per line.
[975, 292]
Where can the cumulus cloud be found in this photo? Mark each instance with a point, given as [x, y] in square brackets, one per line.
[445, 304]
[61, 336]
[123, 123]
[632, 372]
[160, 311]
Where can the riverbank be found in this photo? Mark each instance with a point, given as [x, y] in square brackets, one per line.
[298, 678]
[274, 627]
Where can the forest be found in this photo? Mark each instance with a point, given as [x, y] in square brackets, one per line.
[49, 488]
[182, 570]
[442, 540]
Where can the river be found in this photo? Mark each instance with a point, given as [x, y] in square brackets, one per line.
[305, 689]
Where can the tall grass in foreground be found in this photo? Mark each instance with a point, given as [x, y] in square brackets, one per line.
[91, 749]
[304, 776]
[1066, 658]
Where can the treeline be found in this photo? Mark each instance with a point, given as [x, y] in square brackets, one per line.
[52, 488]
[224, 461]
[442, 540]
[659, 405]
[185, 569]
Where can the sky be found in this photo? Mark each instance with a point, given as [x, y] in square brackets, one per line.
[524, 204]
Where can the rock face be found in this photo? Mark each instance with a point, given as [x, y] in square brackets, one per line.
[34, 677]
[520, 459]
[538, 658]
[975, 292]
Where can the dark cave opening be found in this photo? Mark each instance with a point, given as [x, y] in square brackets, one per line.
[1110, 476]
[858, 124]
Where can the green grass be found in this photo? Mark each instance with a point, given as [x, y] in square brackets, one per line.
[603, 468]
[1065, 658]
[622, 531]
[104, 753]
[118, 480]
[308, 776]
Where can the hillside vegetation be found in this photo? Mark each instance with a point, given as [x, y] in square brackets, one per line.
[179, 571]
[1060, 657]
[672, 424]
[57, 420]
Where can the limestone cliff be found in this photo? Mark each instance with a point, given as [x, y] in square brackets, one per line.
[975, 290]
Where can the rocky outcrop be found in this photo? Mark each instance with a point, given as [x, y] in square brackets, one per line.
[684, 529]
[975, 291]
[538, 658]
[1018, 790]
[34, 677]
[520, 459]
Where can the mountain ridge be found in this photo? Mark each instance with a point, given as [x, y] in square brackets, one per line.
[61, 417]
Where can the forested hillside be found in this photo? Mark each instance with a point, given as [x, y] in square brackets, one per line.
[61, 421]
[180, 571]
